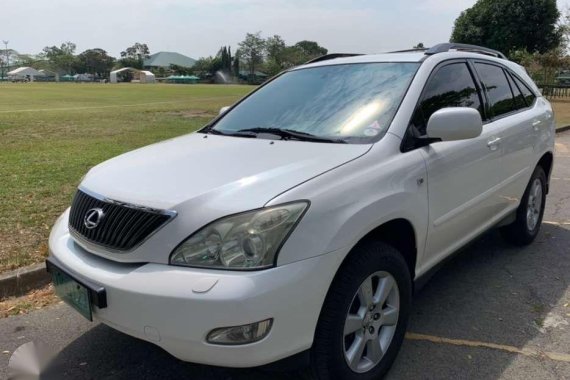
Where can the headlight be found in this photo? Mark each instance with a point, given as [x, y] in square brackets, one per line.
[249, 240]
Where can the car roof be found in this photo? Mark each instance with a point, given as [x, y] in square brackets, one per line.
[369, 58]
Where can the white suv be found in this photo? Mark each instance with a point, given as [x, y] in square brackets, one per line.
[299, 222]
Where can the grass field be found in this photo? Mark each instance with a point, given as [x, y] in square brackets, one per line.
[561, 112]
[51, 134]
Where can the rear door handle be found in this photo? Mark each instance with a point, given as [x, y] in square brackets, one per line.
[536, 124]
[493, 143]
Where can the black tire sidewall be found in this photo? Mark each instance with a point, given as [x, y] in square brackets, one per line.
[327, 355]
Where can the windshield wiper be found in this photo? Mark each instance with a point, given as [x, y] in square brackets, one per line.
[287, 134]
[218, 132]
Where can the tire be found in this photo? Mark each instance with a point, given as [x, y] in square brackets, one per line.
[378, 265]
[529, 214]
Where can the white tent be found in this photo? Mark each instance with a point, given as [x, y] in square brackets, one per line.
[24, 72]
[141, 76]
[146, 77]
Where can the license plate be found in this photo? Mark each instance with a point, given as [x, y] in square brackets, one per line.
[72, 292]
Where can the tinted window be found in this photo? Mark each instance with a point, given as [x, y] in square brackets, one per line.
[527, 93]
[519, 101]
[498, 90]
[450, 86]
[355, 102]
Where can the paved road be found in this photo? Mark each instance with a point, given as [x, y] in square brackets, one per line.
[492, 294]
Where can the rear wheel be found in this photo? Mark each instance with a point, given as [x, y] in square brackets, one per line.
[364, 318]
[529, 215]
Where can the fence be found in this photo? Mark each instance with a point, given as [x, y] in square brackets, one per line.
[552, 91]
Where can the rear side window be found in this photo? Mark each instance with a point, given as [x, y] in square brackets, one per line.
[451, 86]
[519, 101]
[526, 92]
[498, 90]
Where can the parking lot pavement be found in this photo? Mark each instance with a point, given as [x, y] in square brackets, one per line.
[493, 312]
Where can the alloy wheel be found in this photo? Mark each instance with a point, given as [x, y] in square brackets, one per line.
[371, 321]
[534, 206]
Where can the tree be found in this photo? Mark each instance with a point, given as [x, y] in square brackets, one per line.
[252, 50]
[225, 56]
[178, 70]
[235, 64]
[230, 60]
[311, 49]
[134, 56]
[550, 63]
[6, 61]
[60, 58]
[94, 61]
[207, 66]
[275, 46]
[281, 57]
[509, 25]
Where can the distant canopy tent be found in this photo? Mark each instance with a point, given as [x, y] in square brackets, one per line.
[24, 73]
[67, 78]
[146, 77]
[141, 76]
[258, 76]
[183, 79]
[84, 77]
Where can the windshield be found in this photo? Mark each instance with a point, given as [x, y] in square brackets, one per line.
[352, 103]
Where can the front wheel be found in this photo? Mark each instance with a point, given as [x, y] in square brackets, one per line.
[364, 318]
[525, 228]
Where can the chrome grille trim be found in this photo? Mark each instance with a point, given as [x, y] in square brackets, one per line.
[124, 228]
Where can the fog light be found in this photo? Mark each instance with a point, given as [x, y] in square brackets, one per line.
[240, 334]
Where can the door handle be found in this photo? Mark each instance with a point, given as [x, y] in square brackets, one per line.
[493, 143]
[536, 124]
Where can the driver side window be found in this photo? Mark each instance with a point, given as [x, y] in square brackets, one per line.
[451, 86]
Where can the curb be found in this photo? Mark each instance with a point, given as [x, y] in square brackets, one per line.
[563, 129]
[22, 280]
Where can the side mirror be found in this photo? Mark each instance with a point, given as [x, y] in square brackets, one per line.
[455, 123]
[224, 109]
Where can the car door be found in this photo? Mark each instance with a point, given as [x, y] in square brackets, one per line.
[461, 174]
[513, 123]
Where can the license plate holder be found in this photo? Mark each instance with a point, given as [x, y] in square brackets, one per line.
[76, 293]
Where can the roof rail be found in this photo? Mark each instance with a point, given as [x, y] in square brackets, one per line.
[441, 48]
[418, 50]
[326, 57]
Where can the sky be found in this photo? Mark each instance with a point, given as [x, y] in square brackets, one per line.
[198, 28]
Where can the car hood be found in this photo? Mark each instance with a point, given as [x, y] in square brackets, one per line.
[212, 171]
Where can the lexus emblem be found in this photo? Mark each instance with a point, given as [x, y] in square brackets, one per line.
[93, 217]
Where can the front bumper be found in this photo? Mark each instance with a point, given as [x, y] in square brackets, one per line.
[176, 307]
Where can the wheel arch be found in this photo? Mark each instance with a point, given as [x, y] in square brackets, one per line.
[546, 162]
[400, 234]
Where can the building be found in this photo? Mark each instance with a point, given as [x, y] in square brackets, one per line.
[47, 76]
[24, 74]
[165, 59]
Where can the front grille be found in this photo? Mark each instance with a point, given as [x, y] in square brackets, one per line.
[122, 226]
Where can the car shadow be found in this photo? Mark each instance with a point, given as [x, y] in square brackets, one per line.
[490, 292]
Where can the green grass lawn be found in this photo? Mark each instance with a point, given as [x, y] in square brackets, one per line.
[561, 112]
[52, 133]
